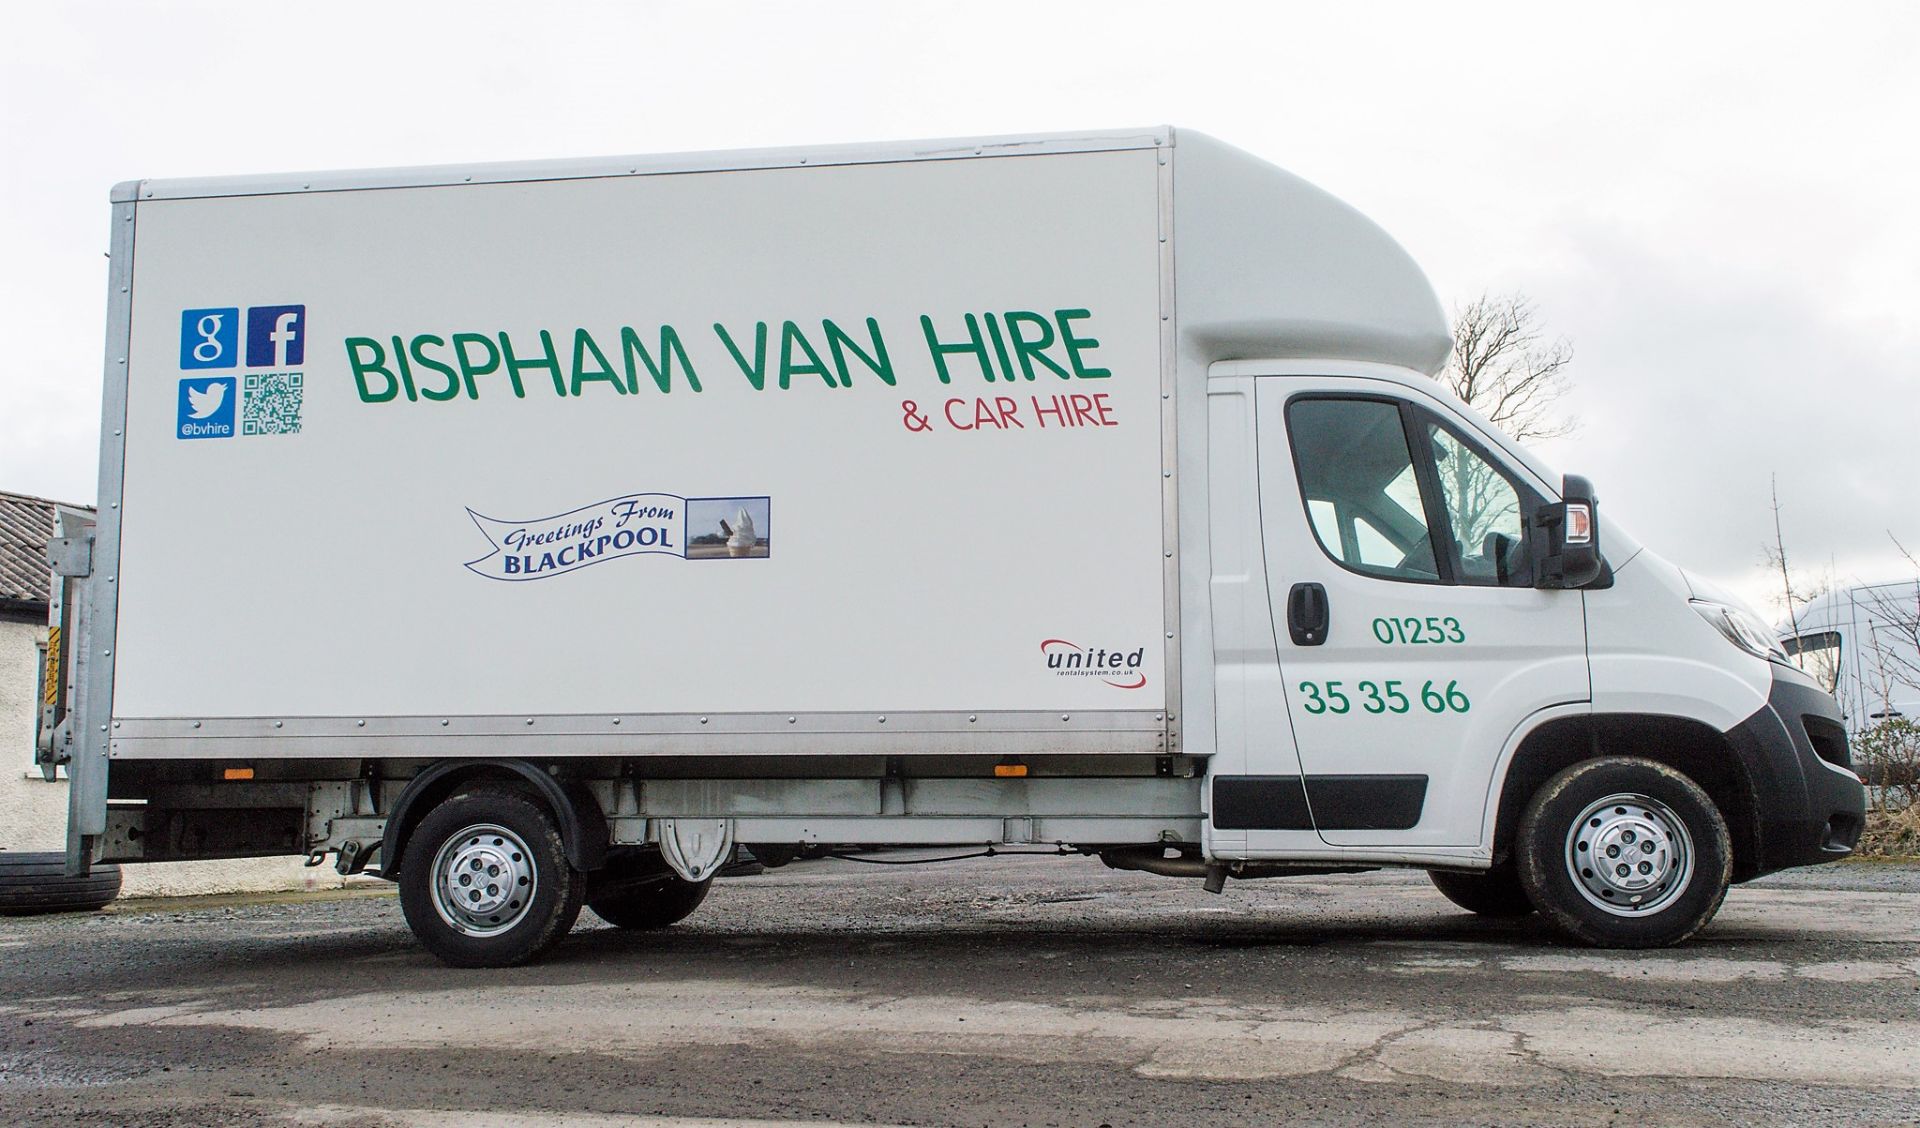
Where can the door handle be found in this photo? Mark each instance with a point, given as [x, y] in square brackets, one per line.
[1308, 616]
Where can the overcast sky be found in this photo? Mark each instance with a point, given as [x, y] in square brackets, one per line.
[1718, 206]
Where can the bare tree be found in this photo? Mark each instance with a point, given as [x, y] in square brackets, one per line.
[1505, 367]
[1889, 748]
[1798, 590]
[1775, 555]
[1895, 635]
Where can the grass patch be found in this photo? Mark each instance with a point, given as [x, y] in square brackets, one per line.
[1891, 834]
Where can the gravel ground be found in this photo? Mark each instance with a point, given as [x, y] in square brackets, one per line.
[1006, 991]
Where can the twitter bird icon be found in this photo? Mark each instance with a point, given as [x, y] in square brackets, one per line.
[205, 401]
[206, 408]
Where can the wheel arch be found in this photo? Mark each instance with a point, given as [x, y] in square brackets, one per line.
[583, 825]
[1689, 746]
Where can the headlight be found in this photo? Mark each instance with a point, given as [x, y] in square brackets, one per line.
[1741, 628]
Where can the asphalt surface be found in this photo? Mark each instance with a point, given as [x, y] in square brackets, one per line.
[1007, 991]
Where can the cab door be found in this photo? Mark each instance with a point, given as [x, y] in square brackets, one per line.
[1412, 643]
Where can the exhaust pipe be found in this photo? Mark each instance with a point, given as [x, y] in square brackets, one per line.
[1153, 859]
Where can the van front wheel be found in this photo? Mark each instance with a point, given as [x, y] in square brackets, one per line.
[1624, 852]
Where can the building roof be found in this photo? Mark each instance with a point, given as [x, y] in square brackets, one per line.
[26, 525]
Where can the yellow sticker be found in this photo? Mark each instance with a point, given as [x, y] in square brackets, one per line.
[50, 693]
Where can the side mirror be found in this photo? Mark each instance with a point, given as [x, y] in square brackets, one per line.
[1570, 529]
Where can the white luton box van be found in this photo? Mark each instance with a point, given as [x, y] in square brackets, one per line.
[544, 533]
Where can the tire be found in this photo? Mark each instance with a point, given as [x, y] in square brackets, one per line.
[773, 856]
[506, 842]
[34, 883]
[640, 892]
[1667, 857]
[1495, 893]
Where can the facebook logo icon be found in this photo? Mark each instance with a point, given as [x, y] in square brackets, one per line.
[209, 338]
[276, 336]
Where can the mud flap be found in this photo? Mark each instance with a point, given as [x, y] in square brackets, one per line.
[695, 848]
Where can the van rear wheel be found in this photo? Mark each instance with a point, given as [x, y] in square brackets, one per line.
[1495, 893]
[486, 881]
[641, 892]
[1624, 853]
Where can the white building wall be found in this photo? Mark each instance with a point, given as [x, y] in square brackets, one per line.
[33, 816]
[33, 812]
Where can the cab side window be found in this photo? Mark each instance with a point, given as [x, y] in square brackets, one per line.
[1363, 497]
[1483, 512]
[1392, 492]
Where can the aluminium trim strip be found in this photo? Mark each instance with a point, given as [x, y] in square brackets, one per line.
[1169, 449]
[641, 724]
[891, 152]
[534, 745]
[100, 606]
[1024, 733]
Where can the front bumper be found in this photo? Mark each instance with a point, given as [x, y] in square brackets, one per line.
[1810, 807]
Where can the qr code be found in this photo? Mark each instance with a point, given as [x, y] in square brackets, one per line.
[272, 404]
